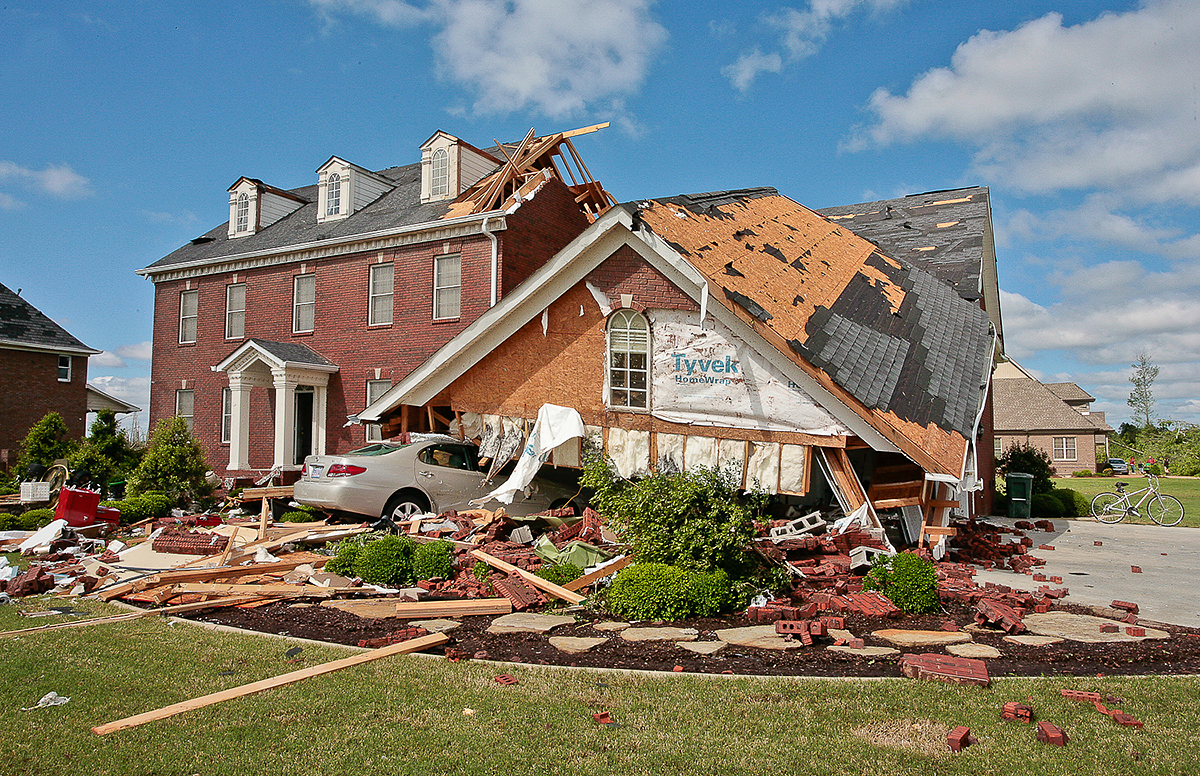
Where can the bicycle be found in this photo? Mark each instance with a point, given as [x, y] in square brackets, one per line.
[1114, 507]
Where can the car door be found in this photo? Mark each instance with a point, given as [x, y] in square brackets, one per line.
[449, 473]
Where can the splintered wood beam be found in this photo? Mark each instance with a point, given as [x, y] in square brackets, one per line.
[412, 645]
[587, 579]
[533, 579]
[462, 608]
[585, 130]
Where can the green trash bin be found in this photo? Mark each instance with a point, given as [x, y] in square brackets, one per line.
[1020, 491]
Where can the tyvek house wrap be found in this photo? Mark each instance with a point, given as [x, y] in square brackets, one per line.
[708, 377]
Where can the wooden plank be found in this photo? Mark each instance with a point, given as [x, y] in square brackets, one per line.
[941, 530]
[533, 579]
[936, 503]
[412, 645]
[893, 503]
[278, 491]
[587, 579]
[461, 608]
[285, 590]
[264, 515]
[584, 130]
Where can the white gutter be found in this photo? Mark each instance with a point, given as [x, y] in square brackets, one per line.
[495, 257]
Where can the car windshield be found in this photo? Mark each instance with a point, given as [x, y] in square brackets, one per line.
[381, 448]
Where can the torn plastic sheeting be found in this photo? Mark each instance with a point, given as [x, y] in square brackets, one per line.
[629, 452]
[554, 426]
[511, 440]
[49, 699]
[490, 434]
[575, 552]
[470, 426]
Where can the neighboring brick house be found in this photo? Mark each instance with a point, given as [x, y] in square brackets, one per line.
[1053, 417]
[275, 327]
[732, 329]
[43, 368]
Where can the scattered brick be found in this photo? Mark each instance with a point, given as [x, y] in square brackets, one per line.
[1107, 628]
[515, 589]
[1017, 711]
[506, 679]
[1135, 631]
[1121, 718]
[1125, 606]
[1136, 569]
[1056, 580]
[1130, 618]
[1045, 546]
[960, 738]
[1080, 695]
[945, 668]
[1049, 733]
[1098, 543]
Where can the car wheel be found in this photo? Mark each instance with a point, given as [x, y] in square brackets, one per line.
[403, 506]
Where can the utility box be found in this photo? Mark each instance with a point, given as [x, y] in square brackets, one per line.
[1020, 493]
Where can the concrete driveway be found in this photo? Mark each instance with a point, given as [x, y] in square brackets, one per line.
[1166, 590]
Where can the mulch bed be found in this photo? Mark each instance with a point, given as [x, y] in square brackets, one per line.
[1179, 654]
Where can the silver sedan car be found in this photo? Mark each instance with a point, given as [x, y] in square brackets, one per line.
[433, 473]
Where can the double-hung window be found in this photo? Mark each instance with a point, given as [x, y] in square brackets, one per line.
[440, 180]
[242, 223]
[185, 405]
[333, 195]
[235, 311]
[226, 414]
[380, 294]
[189, 313]
[447, 286]
[304, 303]
[64, 369]
[628, 360]
[375, 389]
[1064, 449]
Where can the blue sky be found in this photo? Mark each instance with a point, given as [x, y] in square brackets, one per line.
[126, 122]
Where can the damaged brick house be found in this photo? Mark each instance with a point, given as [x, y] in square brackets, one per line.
[309, 303]
[736, 329]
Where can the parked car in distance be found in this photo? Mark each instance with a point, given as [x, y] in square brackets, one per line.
[433, 473]
[1119, 466]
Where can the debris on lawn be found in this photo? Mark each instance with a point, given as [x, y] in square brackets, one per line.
[47, 700]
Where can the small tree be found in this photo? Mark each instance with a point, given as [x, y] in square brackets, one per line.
[105, 454]
[1030, 460]
[1141, 398]
[47, 441]
[173, 465]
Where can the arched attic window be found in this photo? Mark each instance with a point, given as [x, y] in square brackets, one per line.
[333, 195]
[243, 212]
[440, 183]
[628, 360]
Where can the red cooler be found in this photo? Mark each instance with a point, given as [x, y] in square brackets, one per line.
[77, 506]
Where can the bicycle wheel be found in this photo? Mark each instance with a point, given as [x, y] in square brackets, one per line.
[1109, 508]
[1165, 510]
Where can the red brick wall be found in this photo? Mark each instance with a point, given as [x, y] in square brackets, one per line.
[540, 228]
[625, 272]
[341, 333]
[29, 388]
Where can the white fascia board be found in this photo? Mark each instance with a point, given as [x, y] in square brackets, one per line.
[71, 351]
[283, 250]
[551, 281]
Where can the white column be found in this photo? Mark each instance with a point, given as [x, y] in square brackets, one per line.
[285, 417]
[239, 424]
[320, 402]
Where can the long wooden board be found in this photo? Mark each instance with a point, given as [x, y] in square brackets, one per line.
[412, 645]
[462, 608]
[587, 579]
[533, 579]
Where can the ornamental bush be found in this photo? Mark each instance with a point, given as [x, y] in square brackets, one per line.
[1074, 503]
[1046, 505]
[656, 591]
[387, 561]
[435, 559]
[908, 580]
[560, 573]
[174, 465]
[33, 519]
[347, 554]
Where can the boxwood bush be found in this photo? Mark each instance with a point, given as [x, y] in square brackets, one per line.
[656, 591]
[435, 559]
[31, 520]
[908, 580]
[560, 573]
[387, 561]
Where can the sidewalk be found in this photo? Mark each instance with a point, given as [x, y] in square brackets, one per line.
[1169, 558]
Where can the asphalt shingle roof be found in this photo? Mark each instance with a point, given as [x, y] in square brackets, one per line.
[1021, 404]
[292, 352]
[23, 324]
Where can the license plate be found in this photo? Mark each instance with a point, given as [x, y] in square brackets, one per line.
[314, 472]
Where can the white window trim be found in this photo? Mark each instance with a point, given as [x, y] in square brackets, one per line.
[437, 288]
[439, 182]
[190, 417]
[242, 213]
[333, 185]
[229, 311]
[372, 294]
[627, 315]
[66, 379]
[191, 293]
[375, 430]
[226, 415]
[296, 303]
[1071, 454]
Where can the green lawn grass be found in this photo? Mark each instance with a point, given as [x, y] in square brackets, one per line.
[1186, 489]
[408, 715]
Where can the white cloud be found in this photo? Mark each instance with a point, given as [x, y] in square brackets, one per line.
[8, 202]
[1109, 102]
[107, 360]
[182, 218]
[801, 35]
[57, 180]
[559, 57]
[1098, 219]
[140, 351]
[135, 390]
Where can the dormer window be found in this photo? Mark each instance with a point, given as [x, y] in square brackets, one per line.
[333, 195]
[440, 183]
[243, 213]
[344, 188]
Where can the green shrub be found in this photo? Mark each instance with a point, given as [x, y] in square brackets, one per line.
[47, 441]
[1105, 472]
[1027, 459]
[908, 580]
[1074, 503]
[34, 519]
[1155, 469]
[435, 559]
[1082, 473]
[560, 573]
[347, 554]
[656, 591]
[481, 571]
[696, 520]
[387, 561]
[1046, 505]
[173, 465]
[296, 516]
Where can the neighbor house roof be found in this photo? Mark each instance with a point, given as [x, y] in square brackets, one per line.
[24, 326]
[1025, 405]
[1070, 393]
